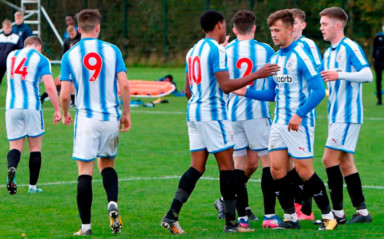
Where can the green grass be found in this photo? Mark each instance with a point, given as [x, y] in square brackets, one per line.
[155, 147]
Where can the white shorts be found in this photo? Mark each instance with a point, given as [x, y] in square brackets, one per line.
[24, 122]
[214, 136]
[251, 134]
[298, 143]
[94, 138]
[343, 136]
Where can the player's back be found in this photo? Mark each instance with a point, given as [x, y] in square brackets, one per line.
[25, 69]
[92, 66]
[345, 97]
[245, 57]
[208, 101]
[292, 91]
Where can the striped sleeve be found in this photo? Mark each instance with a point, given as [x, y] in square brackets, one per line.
[358, 59]
[65, 72]
[218, 59]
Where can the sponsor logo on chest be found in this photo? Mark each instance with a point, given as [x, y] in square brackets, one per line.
[283, 78]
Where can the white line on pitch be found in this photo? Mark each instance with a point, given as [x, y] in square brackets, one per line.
[158, 178]
[184, 113]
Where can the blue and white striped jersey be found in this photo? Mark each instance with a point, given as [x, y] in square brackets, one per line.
[208, 101]
[311, 47]
[296, 69]
[245, 57]
[345, 97]
[92, 66]
[25, 69]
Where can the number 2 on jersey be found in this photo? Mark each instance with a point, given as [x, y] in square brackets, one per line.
[249, 66]
[93, 62]
[23, 72]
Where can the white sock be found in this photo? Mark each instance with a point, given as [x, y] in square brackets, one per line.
[245, 218]
[33, 187]
[290, 217]
[112, 203]
[339, 213]
[247, 208]
[327, 216]
[85, 227]
[363, 212]
[269, 215]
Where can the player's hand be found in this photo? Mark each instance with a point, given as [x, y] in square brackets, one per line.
[56, 117]
[67, 119]
[294, 123]
[225, 43]
[329, 75]
[125, 122]
[241, 91]
[267, 70]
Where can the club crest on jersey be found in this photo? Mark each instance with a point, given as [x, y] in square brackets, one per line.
[283, 78]
[340, 57]
[290, 64]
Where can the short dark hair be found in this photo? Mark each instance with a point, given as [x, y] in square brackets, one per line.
[33, 40]
[298, 13]
[335, 12]
[209, 19]
[284, 15]
[70, 15]
[244, 20]
[88, 19]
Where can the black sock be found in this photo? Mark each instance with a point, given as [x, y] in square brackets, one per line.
[307, 204]
[110, 182]
[84, 198]
[355, 191]
[315, 187]
[284, 192]
[242, 194]
[335, 185]
[297, 183]
[13, 158]
[267, 187]
[186, 185]
[34, 167]
[228, 191]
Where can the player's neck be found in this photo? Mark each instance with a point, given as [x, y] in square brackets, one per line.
[213, 36]
[337, 38]
[287, 44]
[88, 35]
[298, 37]
[245, 37]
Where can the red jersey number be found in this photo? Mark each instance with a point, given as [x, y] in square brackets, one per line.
[249, 66]
[194, 70]
[20, 69]
[93, 62]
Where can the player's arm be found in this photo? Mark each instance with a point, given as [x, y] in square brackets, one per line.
[362, 76]
[268, 94]
[52, 93]
[65, 92]
[316, 95]
[125, 122]
[187, 87]
[228, 85]
[65, 98]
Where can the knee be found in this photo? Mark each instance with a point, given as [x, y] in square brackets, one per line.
[305, 175]
[252, 167]
[278, 173]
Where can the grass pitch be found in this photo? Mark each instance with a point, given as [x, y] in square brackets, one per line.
[151, 158]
